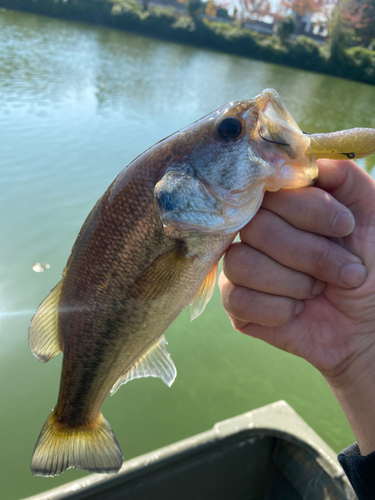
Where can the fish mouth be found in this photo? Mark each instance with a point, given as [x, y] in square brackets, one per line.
[279, 140]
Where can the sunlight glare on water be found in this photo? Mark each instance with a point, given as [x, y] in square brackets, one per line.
[77, 104]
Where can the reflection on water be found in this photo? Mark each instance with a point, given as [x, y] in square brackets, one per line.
[77, 104]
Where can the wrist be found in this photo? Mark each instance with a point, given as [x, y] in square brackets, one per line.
[353, 385]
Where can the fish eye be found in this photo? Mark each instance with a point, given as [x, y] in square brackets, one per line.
[229, 128]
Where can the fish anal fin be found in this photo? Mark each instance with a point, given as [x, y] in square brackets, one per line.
[156, 362]
[162, 274]
[60, 447]
[204, 294]
[44, 339]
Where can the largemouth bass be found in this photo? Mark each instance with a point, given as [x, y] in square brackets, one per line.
[151, 246]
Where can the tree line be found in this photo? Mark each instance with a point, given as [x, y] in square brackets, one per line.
[193, 27]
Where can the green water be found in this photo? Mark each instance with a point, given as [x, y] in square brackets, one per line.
[77, 104]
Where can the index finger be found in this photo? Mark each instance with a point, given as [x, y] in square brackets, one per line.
[311, 209]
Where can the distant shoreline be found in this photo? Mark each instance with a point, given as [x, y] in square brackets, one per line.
[304, 53]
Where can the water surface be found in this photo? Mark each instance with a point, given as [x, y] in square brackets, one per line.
[77, 104]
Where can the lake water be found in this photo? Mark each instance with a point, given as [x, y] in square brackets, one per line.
[77, 104]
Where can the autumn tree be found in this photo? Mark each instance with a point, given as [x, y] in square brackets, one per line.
[211, 8]
[359, 16]
[216, 9]
[299, 9]
[302, 7]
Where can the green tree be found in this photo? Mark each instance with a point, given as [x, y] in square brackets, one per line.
[222, 13]
[285, 28]
[340, 36]
[195, 9]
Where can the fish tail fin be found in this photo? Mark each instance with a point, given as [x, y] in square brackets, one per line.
[91, 447]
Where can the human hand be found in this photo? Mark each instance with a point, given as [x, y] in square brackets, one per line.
[297, 282]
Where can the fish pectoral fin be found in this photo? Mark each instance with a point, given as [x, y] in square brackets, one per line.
[162, 274]
[204, 294]
[44, 339]
[156, 362]
[92, 447]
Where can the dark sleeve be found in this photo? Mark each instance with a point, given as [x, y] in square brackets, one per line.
[360, 471]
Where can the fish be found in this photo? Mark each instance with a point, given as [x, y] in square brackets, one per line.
[150, 247]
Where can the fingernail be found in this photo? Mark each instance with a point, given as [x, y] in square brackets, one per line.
[299, 307]
[343, 224]
[354, 275]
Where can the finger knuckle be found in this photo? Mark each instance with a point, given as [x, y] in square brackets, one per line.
[323, 260]
[235, 261]
[284, 311]
[239, 302]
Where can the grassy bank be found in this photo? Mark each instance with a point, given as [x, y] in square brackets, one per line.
[356, 63]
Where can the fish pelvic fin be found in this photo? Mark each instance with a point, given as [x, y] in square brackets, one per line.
[60, 447]
[155, 362]
[204, 294]
[44, 339]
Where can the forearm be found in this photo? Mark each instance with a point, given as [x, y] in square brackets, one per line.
[354, 388]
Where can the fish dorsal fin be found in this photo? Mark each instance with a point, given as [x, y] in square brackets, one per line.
[162, 274]
[156, 362]
[204, 294]
[43, 330]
